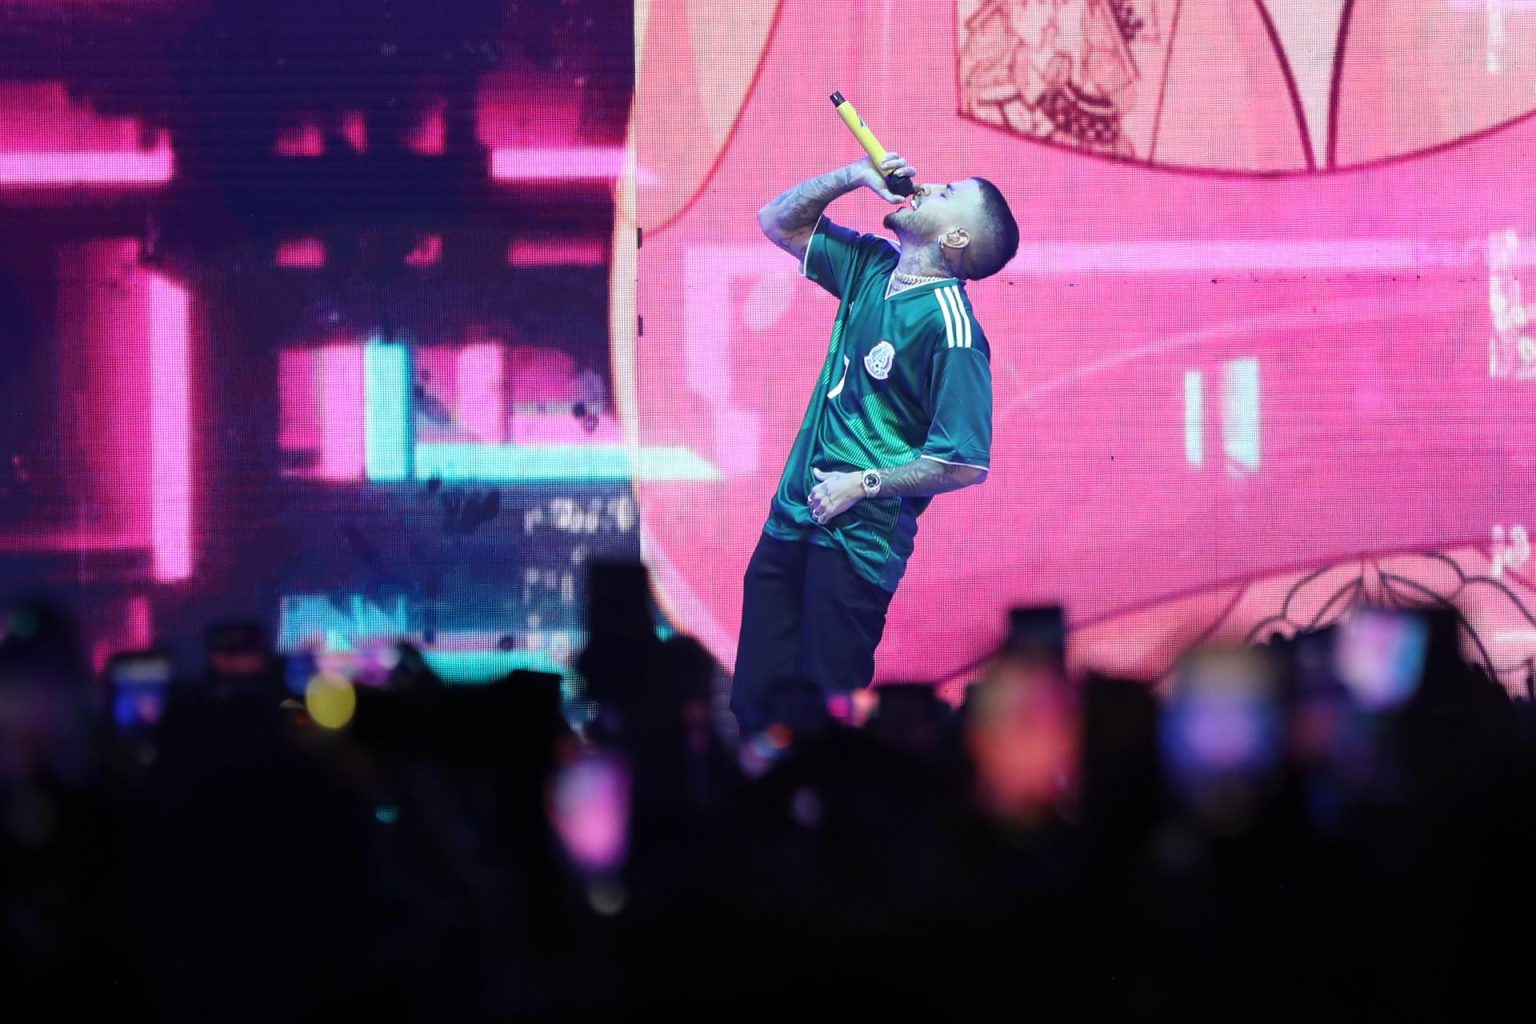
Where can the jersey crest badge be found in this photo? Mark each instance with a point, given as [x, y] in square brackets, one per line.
[879, 360]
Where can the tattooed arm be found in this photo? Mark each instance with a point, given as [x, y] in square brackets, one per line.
[924, 477]
[789, 220]
[836, 493]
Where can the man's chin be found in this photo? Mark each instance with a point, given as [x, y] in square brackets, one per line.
[896, 218]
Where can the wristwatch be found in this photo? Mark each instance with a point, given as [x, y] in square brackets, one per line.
[871, 482]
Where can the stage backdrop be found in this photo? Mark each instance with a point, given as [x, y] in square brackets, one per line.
[1263, 353]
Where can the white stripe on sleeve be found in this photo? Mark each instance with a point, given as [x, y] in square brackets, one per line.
[805, 260]
[949, 323]
[960, 333]
[962, 317]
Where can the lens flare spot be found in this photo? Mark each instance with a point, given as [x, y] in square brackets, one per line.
[330, 700]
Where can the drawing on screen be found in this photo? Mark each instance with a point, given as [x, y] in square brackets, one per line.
[1264, 86]
[1064, 72]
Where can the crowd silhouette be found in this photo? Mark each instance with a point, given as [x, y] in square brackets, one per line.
[1339, 821]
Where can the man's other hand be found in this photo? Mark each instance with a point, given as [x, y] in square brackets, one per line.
[835, 494]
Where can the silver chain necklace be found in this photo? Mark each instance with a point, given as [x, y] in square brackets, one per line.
[910, 281]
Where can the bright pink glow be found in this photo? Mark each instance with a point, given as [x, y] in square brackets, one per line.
[102, 333]
[428, 252]
[300, 252]
[170, 430]
[321, 396]
[589, 807]
[1360, 298]
[557, 252]
[558, 163]
[43, 117]
[532, 123]
[354, 128]
[47, 138]
[430, 136]
[481, 397]
[300, 140]
[542, 377]
[341, 412]
[155, 167]
[527, 107]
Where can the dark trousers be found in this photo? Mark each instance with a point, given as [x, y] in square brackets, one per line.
[805, 615]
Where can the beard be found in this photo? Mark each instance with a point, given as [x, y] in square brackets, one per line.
[899, 221]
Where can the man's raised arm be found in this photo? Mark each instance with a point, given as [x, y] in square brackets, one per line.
[789, 220]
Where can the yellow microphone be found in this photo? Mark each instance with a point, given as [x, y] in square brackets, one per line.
[900, 184]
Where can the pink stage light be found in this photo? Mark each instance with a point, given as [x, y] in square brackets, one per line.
[341, 393]
[354, 128]
[300, 140]
[558, 163]
[308, 253]
[49, 138]
[426, 253]
[102, 322]
[298, 384]
[430, 136]
[154, 167]
[170, 431]
[481, 406]
[558, 252]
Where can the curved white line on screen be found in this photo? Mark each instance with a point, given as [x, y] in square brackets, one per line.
[1341, 313]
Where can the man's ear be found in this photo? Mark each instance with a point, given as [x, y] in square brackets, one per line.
[959, 238]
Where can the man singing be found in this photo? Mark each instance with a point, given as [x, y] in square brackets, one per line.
[902, 411]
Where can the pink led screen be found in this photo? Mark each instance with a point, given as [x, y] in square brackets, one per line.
[303, 323]
[1264, 350]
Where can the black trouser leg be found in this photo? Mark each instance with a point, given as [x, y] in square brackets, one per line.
[844, 617]
[768, 649]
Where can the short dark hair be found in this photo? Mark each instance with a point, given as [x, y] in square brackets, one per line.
[999, 240]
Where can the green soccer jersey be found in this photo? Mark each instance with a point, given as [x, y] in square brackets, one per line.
[905, 377]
